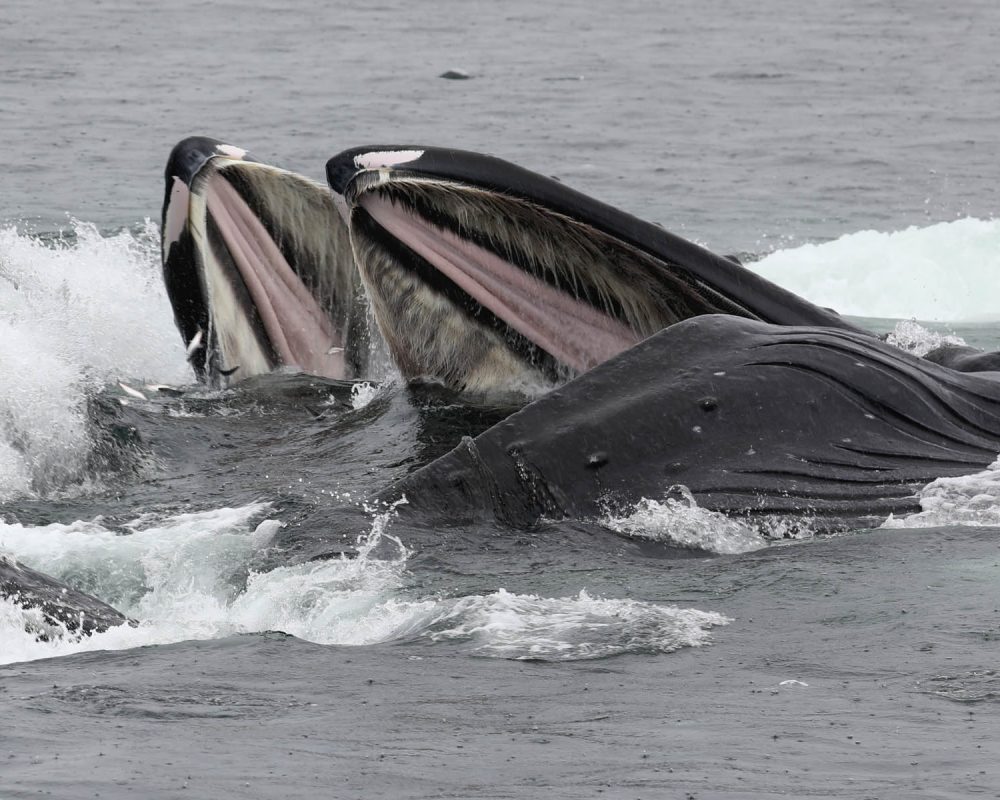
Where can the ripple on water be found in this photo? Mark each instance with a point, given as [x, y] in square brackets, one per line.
[166, 704]
[974, 686]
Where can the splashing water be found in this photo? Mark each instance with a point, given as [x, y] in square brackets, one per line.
[945, 272]
[972, 500]
[77, 312]
[362, 394]
[188, 577]
[911, 336]
[681, 522]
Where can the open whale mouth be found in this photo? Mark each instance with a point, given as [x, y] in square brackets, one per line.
[258, 267]
[476, 267]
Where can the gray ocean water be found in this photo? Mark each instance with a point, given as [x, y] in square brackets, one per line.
[728, 121]
[563, 662]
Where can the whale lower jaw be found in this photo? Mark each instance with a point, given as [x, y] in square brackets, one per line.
[259, 269]
[513, 295]
[430, 335]
[239, 346]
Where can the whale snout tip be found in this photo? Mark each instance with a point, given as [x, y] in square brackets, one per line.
[191, 154]
[339, 171]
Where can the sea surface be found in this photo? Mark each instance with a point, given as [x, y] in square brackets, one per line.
[296, 643]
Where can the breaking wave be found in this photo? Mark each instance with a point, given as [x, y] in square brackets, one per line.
[944, 272]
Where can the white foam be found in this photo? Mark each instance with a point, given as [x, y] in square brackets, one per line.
[173, 575]
[972, 500]
[76, 314]
[518, 626]
[680, 521]
[188, 577]
[942, 272]
[362, 394]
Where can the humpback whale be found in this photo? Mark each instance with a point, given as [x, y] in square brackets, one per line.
[752, 418]
[258, 268]
[481, 273]
[59, 606]
[676, 366]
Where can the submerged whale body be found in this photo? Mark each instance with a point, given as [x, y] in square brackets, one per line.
[481, 273]
[59, 607]
[258, 268]
[752, 418]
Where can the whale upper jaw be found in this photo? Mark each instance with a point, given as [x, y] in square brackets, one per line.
[479, 270]
[258, 267]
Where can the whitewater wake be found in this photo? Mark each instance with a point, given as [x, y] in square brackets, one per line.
[190, 576]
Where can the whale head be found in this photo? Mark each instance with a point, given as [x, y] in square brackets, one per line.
[258, 267]
[480, 273]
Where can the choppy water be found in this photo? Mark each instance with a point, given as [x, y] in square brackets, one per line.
[850, 149]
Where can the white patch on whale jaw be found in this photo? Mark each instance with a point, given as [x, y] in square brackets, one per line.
[380, 159]
[232, 152]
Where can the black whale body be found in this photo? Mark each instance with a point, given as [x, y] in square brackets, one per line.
[60, 606]
[752, 418]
